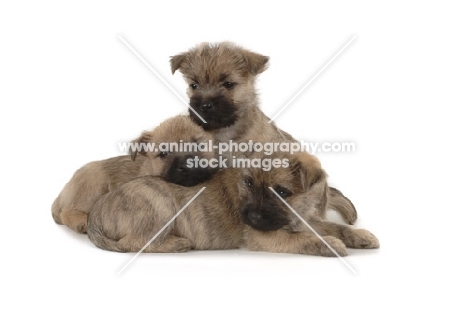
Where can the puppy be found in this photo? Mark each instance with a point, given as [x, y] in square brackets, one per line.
[221, 79]
[97, 178]
[273, 227]
[221, 86]
[235, 209]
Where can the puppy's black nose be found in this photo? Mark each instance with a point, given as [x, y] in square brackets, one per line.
[182, 168]
[255, 216]
[182, 163]
[207, 106]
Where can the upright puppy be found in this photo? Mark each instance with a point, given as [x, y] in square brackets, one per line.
[221, 79]
[236, 209]
[97, 178]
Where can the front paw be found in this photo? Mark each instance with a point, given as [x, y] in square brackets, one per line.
[361, 239]
[336, 244]
[318, 247]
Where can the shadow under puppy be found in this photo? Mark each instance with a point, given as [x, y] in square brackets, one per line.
[97, 178]
[236, 209]
[221, 81]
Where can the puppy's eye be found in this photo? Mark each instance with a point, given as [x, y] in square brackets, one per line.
[163, 154]
[194, 86]
[284, 193]
[228, 85]
[248, 182]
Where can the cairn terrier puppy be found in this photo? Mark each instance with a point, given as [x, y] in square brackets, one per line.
[95, 179]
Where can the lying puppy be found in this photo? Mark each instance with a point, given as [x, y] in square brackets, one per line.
[273, 227]
[236, 209]
[221, 87]
[97, 178]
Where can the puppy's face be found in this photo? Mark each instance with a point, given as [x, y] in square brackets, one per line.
[220, 80]
[174, 165]
[302, 185]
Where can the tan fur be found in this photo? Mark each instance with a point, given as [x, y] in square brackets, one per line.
[342, 205]
[208, 66]
[125, 219]
[97, 178]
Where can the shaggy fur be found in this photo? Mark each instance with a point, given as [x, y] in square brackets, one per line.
[236, 209]
[221, 87]
[97, 178]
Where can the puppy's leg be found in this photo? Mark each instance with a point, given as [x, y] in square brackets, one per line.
[172, 244]
[352, 238]
[130, 243]
[79, 195]
[281, 241]
[76, 220]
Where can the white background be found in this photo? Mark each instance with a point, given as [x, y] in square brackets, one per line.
[70, 91]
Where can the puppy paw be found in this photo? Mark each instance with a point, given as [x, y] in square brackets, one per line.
[81, 228]
[80, 223]
[76, 220]
[362, 239]
[181, 245]
[318, 247]
[336, 244]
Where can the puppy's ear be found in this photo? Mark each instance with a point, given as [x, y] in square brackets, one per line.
[137, 144]
[176, 61]
[256, 63]
[308, 169]
[313, 180]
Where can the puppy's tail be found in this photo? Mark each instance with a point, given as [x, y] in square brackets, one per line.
[100, 240]
[340, 203]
